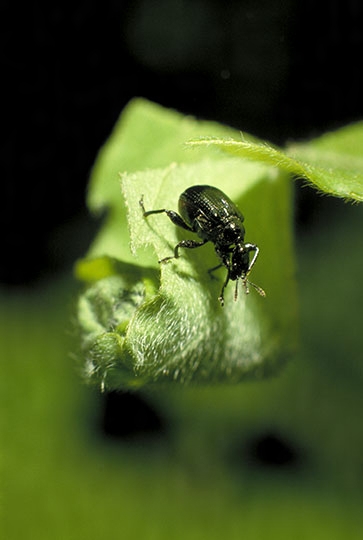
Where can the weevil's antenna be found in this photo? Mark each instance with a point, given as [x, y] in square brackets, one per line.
[257, 288]
[247, 282]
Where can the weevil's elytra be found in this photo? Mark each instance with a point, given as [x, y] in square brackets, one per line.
[208, 212]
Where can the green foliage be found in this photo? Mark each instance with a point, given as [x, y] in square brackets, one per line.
[332, 163]
[197, 478]
[165, 323]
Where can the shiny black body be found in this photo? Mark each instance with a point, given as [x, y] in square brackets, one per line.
[208, 212]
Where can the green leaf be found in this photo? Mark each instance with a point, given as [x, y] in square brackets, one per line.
[145, 136]
[335, 161]
[332, 163]
[142, 322]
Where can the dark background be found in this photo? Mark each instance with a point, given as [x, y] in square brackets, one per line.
[280, 70]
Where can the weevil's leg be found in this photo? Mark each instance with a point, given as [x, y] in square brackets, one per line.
[213, 269]
[190, 244]
[221, 296]
[236, 291]
[245, 285]
[173, 216]
[252, 247]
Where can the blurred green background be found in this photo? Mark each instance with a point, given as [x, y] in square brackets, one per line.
[278, 458]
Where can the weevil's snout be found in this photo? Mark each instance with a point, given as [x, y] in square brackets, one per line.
[240, 263]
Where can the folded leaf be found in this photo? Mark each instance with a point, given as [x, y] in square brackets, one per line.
[142, 322]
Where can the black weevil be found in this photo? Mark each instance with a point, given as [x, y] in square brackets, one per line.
[208, 212]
